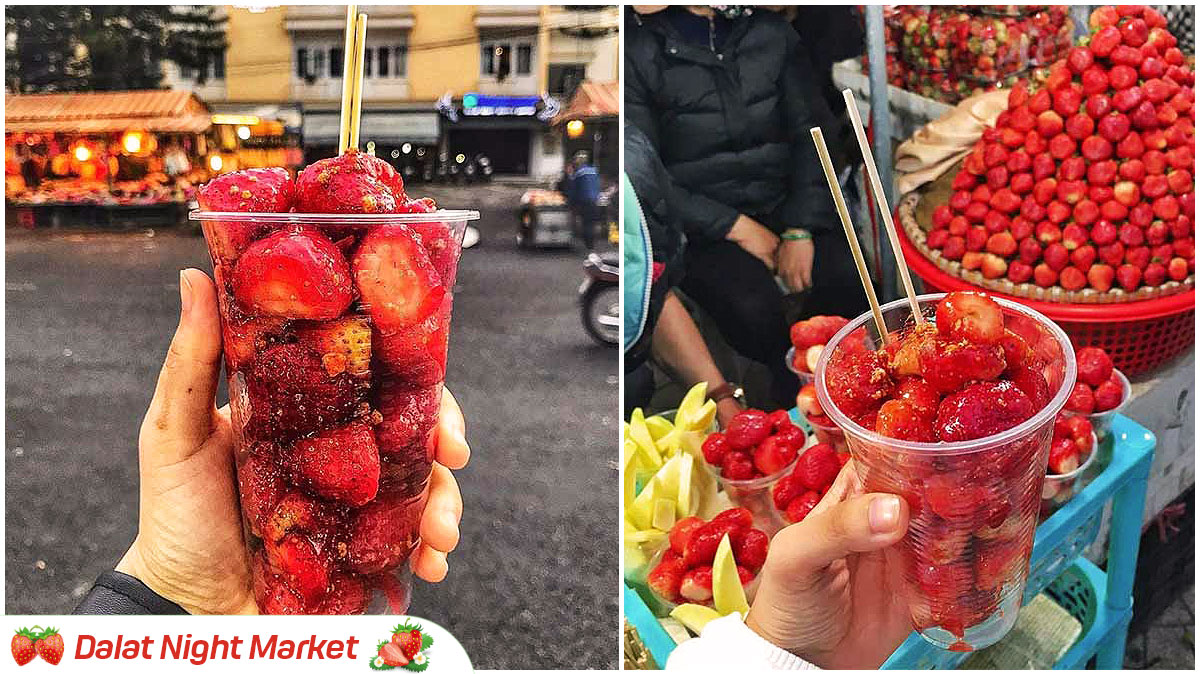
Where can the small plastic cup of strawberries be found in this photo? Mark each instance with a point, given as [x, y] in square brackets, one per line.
[750, 456]
[335, 292]
[1073, 450]
[808, 339]
[1100, 392]
[955, 416]
[685, 570]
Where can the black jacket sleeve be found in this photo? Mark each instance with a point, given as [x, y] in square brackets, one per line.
[116, 593]
[702, 218]
[809, 204]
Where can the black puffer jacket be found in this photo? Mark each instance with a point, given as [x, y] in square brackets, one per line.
[731, 125]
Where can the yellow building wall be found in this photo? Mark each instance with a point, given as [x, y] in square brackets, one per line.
[258, 61]
[434, 71]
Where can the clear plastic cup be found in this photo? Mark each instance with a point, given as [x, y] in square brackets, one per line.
[790, 361]
[829, 434]
[755, 494]
[334, 389]
[964, 568]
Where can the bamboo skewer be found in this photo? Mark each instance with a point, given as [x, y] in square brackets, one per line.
[884, 208]
[348, 53]
[360, 47]
[839, 203]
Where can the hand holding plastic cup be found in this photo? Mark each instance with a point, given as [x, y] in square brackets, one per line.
[335, 330]
[973, 503]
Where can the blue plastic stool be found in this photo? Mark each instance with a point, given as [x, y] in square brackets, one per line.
[1057, 549]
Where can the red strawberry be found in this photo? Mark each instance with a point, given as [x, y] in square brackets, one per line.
[270, 592]
[260, 486]
[393, 655]
[982, 409]
[799, 508]
[296, 511]
[738, 465]
[291, 394]
[1019, 272]
[715, 448]
[696, 585]
[1100, 277]
[383, 533]
[1081, 400]
[859, 382]
[50, 646]
[416, 355]
[734, 519]
[243, 339]
[348, 595]
[747, 429]
[1178, 269]
[398, 283]
[682, 532]
[749, 548]
[898, 419]
[293, 273]
[773, 455]
[352, 183]
[263, 190]
[702, 546]
[1032, 383]
[970, 316]
[817, 467]
[1064, 457]
[22, 646]
[1129, 277]
[403, 436]
[948, 365]
[344, 344]
[409, 642]
[1094, 365]
[1109, 394]
[340, 464]
[1072, 278]
[301, 567]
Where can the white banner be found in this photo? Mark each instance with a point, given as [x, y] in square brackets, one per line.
[361, 644]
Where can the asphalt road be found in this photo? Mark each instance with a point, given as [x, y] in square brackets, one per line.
[534, 581]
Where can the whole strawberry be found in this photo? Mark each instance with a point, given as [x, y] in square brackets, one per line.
[22, 646]
[50, 646]
[409, 642]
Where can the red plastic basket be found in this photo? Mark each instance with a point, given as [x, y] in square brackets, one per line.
[1139, 336]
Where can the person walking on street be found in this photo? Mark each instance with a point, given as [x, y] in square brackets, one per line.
[583, 196]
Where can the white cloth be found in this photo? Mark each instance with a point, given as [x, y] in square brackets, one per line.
[726, 644]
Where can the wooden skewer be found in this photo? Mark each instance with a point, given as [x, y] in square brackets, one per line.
[881, 202]
[347, 78]
[360, 47]
[844, 214]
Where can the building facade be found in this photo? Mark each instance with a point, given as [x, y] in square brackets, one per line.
[439, 80]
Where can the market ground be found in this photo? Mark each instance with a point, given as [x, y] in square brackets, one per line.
[534, 581]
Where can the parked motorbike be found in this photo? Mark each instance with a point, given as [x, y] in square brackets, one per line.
[600, 298]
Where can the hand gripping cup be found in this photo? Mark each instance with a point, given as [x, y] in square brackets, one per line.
[973, 504]
[335, 330]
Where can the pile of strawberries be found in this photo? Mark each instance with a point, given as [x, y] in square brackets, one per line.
[1086, 180]
[1098, 388]
[754, 445]
[1072, 444]
[796, 494]
[335, 343]
[809, 337]
[685, 572]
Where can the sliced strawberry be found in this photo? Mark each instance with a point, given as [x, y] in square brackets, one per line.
[1064, 456]
[398, 284]
[344, 344]
[293, 273]
[301, 567]
[383, 533]
[393, 655]
[340, 464]
[970, 316]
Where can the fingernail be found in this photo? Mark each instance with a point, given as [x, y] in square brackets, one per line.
[883, 514]
[185, 292]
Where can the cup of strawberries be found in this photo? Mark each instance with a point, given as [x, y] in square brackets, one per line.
[684, 571]
[1072, 451]
[754, 451]
[1101, 391]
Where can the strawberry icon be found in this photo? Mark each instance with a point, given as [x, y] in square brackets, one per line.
[409, 643]
[392, 655]
[22, 646]
[50, 646]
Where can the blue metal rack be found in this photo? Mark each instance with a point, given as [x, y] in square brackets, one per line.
[1101, 600]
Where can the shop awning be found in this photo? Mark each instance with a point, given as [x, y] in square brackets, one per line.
[380, 126]
[164, 111]
[592, 100]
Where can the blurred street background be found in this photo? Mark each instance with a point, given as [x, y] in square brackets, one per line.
[479, 108]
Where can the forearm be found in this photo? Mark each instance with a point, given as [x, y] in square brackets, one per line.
[679, 346]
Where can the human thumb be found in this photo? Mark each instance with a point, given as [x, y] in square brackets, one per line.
[860, 523]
